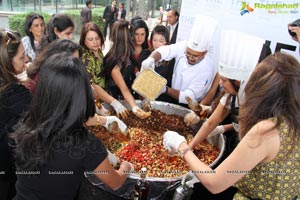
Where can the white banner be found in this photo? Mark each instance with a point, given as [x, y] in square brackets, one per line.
[266, 19]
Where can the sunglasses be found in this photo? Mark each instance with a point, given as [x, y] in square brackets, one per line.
[11, 36]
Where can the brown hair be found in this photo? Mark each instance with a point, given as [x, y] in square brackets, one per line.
[122, 49]
[272, 91]
[9, 44]
[160, 30]
[91, 26]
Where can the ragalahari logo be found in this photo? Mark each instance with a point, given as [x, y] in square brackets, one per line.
[246, 8]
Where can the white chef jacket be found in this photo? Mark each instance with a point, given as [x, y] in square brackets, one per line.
[191, 80]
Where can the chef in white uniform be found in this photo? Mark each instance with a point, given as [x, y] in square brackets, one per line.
[193, 70]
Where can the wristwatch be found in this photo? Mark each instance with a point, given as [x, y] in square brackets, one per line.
[184, 151]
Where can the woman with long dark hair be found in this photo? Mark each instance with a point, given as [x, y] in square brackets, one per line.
[160, 37]
[14, 102]
[35, 29]
[60, 26]
[119, 65]
[53, 142]
[140, 33]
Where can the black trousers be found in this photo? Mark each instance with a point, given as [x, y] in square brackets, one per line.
[106, 25]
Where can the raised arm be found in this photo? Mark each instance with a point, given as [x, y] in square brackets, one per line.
[260, 145]
[209, 125]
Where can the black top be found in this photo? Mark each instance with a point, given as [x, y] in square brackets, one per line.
[14, 101]
[108, 14]
[62, 174]
[143, 56]
[123, 14]
[128, 76]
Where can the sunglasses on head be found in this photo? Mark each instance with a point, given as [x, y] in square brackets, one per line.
[10, 35]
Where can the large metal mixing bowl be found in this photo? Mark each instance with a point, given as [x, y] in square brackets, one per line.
[158, 186]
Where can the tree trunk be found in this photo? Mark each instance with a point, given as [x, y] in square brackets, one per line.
[134, 7]
[142, 9]
[128, 9]
[153, 8]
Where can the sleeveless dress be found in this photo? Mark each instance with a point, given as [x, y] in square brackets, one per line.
[278, 179]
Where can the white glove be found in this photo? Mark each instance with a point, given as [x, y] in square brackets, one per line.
[218, 130]
[146, 105]
[189, 179]
[140, 113]
[163, 90]
[193, 105]
[103, 111]
[121, 124]
[172, 140]
[191, 119]
[206, 109]
[119, 108]
[149, 63]
[113, 159]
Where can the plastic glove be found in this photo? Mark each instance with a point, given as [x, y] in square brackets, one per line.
[149, 63]
[191, 119]
[111, 119]
[163, 90]
[192, 104]
[129, 168]
[140, 113]
[113, 159]
[190, 179]
[120, 109]
[218, 130]
[200, 109]
[206, 109]
[102, 111]
[172, 140]
[146, 105]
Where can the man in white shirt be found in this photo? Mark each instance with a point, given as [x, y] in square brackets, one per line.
[173, 17]
[121, 12]
[193, 71]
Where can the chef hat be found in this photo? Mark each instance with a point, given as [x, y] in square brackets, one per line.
[202, 33]
[239, 54]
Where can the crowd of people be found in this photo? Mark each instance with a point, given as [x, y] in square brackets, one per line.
[50, 88]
